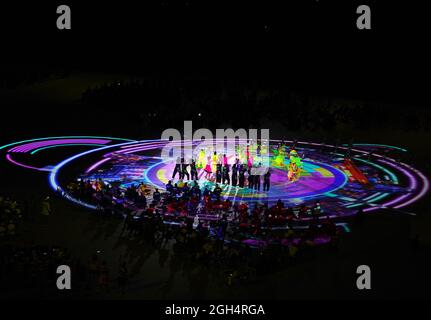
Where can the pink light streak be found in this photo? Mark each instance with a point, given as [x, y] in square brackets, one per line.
[9, 158]
[35, 145]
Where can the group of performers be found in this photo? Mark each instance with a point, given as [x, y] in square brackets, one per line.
[246, 169]
[237, 174]
[294, 167]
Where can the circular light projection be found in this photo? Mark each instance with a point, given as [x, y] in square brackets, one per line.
[368, 179]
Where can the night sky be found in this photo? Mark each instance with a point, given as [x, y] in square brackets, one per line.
[310, 43]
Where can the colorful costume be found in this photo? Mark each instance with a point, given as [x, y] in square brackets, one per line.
[279, 157]
[214, 163]
[295, 166]
[249, 162]
[208, 166]
[238, 152]
[201, 159]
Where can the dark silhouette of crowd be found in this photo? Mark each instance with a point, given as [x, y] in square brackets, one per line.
[208, 229]
[28, 268]
[15, 75]
[10, 216]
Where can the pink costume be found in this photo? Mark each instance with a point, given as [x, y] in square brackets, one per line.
[208, 166]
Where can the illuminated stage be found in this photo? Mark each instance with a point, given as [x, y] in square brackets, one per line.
[369, 178]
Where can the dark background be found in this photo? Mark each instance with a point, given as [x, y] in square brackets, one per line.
[310, 47]
[312, 44]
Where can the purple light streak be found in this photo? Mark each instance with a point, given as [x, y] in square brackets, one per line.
[35, 145]
[94, 166]
[9, 158]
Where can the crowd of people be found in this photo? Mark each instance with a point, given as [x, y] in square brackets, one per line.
[229, 251]
[10, 216]
[199, 210]
[34, 267]
[186, 200]
[30, 266]
[233, 241]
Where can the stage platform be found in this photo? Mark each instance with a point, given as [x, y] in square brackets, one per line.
[342, 179]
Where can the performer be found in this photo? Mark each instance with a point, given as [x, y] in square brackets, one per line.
[208, 169]
[293, 173]
[224, 160]
[295, 166]
[201, 159]
[194, 171]
[226, 178]
[184, 171]
[246, 176]
[218, 173]
[257, 181]
[235, 167]
[266, 180]
[238, 152]
[279, 157]
[249, 162]
[250, 178]
[214, 162]
[177, 168]
[241, 176]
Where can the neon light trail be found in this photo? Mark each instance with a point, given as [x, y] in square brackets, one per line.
[305, 175]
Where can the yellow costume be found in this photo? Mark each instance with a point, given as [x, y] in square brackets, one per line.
[214, 163]
[295, 166]
[201, 159]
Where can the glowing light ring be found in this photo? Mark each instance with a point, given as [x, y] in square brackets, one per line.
[413, 182]
[61, 137]
[97, 164]
[40, 144]
[54, 172]
[142, 146]
[378, 145]
[339, 181]
[9, 158]
[145, 146]
[418, 183]
[66, 145]
[36, 145]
